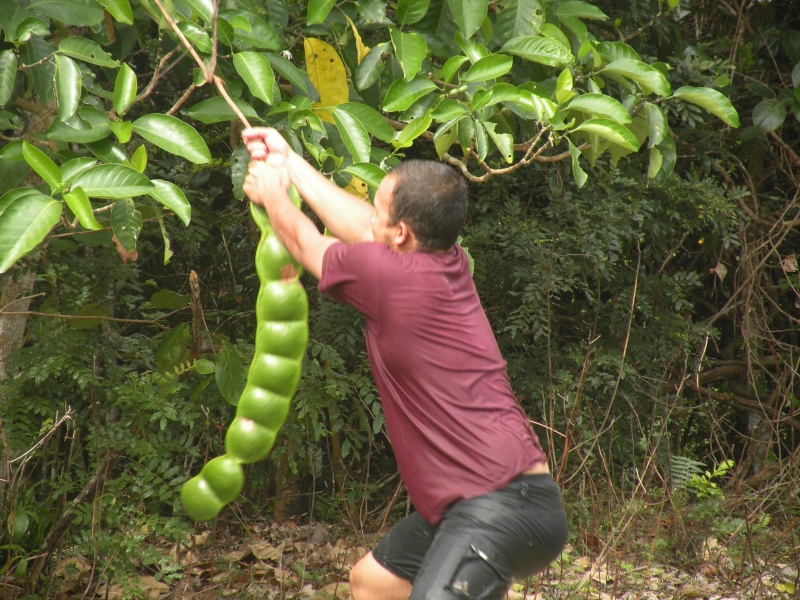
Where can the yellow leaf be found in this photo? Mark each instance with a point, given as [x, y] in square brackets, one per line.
[328, 75]
[362, 49]
[357, 187]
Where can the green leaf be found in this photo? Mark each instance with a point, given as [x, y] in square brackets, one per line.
[230, 373]
[657, 123]
[410, 49]
[578, 173]
[122, 129]
[256, 72]
[769, 114]
[174, 348]
[79, 204]
[217, 110]
[611, 131]
[112, 181]
[138, 159]
[12, 151]
[410, 11]
[541, 50]
[68, 87]
[24, 224]
[796, 76]
[169, 300]
[446, 135]
[469, 14]
[581, 10]
[119, 9]
[88, 125]
[173, 135]
[108, 151]
[72, 168]
[372, 65]
[82, 13]
[203, 8]
[448, 109]
[126, 222]
[712, 100]
[197, 36]
[125, 87]
[649, 78]
[354, 135]
[656, 162]
[261, 34]
[318, 10]
[489, 67]
[372, 121]
[402, 94]
[451, 66]
[611, 51]
[669, 157]
[43, 165]
[171, 196]
[8, 74]
[293, 75]
[367, 172]
[600, 105]
[520, 18]
[418, 126]
[87, 51]
[12, 196]
[503, 141]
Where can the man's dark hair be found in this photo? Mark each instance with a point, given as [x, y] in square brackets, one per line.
[431, 198]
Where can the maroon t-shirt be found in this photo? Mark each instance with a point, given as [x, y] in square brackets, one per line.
[456, 428]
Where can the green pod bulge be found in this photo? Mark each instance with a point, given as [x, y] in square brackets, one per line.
[248, 441]
[264, 407]
[272, 258]
[280, 301]
[225, 476]
[199, 499]
[274, 373]
[284, 338]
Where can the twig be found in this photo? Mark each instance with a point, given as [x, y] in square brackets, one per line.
[32, 313]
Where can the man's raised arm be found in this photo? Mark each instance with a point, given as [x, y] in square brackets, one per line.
[346, 216]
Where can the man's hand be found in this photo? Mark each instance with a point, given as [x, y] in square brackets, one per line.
[265, 179]
[262, 142]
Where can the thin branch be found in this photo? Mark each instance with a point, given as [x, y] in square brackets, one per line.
[158, 73]
[32, 313]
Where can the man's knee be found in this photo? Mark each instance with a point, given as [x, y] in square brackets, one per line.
[369, 580]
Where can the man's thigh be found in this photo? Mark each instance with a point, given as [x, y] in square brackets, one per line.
[402, 550]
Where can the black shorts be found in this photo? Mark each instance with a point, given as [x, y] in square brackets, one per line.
[481, 544]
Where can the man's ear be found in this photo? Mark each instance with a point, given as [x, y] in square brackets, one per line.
[403, 235]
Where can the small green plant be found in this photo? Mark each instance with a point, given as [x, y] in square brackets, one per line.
[702, 484]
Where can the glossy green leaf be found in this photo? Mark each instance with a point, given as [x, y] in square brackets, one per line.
[410, 49]
[203, 8]
[410, 11]
[230, 373]
[122, 129]
[126, 222]
[505, 92]
[649, 78]
[112, 181]
[12, 151]
[611, 131]
[469, 14]
[769, 114]
[354, 135]
[173, 135]
[451, 67]
[24, 224]
[667, 159]
[12, 196]
[713, 101]
[657, 123]
[481, 140]
[418, 126]
[88, 125]
[171, 196]
[520, 18]
[258, 34]
[119, 9]
[72, 168]
[611, 51]
[125, 87]
[539, 49]
[256, 71]
[371, 174]
[79, 204]
[138, 159]
[655, 163]
[448, 109]
[402, 94]
[600, 105]
[578, 173]
[8, 74]
[576, 27]
[473, 50]
[318, 10]
[43, 165]
[372, 65]
[87, 51]
[108, 151]
[293, 75]
[581, 10]
[68, 87]
[372, 121]
[70, 12]
[445, 136]
[504, 142]
[489, 67]
[197, 36]
[217, 110]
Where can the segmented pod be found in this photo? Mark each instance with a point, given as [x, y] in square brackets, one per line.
[281, 339]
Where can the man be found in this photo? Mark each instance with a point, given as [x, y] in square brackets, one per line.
[487, 509]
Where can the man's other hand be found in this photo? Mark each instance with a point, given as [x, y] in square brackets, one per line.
[262, 142]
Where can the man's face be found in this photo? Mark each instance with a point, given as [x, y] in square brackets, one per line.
[382, 231]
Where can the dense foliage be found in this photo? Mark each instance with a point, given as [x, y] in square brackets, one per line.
[646, 302]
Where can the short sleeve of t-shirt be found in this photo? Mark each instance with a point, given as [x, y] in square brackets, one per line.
[351, 274]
